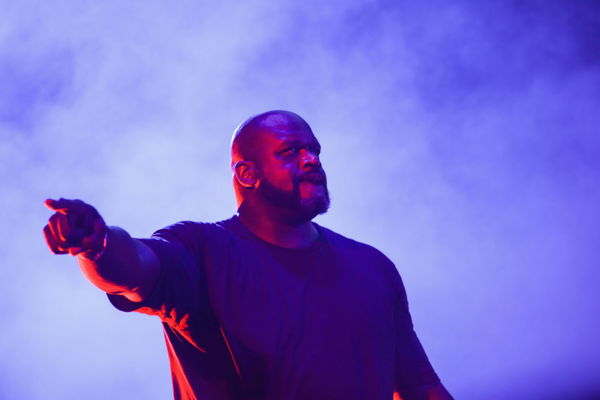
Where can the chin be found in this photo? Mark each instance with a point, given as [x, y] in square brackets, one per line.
[315, 206]
[295, 207]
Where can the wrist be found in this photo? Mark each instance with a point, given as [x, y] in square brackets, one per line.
[96, 253]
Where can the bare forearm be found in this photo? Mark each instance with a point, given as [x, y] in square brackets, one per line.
[108, 256]
[126, 267]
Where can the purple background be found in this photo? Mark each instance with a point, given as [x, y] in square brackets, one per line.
[460, 138]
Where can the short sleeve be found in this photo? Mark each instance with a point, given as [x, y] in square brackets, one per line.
[180, 288]
[412, 366]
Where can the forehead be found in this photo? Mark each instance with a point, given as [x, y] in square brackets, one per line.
[268, 132]
[275, 137]
[277, 130]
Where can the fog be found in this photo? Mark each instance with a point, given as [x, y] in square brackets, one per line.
[460, 138]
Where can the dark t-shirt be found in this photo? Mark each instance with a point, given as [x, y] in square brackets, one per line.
[245, 319]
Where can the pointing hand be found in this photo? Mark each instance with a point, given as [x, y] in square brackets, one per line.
[75, 228]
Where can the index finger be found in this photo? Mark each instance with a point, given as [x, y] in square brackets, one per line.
[61, 205]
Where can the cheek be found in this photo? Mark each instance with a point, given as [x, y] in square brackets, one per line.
[285, 182]
[279, 177]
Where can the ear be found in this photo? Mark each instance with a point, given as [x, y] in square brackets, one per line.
[245, 173]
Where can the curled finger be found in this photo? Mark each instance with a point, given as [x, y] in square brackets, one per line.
[52, 242]
[63, 228]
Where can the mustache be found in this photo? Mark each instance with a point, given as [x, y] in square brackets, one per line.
[315, 176]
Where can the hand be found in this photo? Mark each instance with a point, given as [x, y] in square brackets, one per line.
[75, 228]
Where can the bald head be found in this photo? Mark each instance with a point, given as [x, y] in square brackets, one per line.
[276, 166]
[247, 138]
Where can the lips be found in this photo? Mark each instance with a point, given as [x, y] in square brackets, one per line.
[313, 177]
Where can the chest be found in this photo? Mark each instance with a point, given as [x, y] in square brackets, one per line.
[274, 305]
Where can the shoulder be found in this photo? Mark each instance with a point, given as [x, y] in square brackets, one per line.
[354, 247]
[368, 258]
[192, 233]
[183, 229]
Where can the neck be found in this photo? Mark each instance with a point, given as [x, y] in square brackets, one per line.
[277, 231]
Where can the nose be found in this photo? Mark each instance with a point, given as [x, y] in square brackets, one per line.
[310, 158]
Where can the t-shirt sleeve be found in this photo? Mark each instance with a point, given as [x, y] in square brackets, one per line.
[413, 369]
[179, 291]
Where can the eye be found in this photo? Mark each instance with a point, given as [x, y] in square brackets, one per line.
[293, 150]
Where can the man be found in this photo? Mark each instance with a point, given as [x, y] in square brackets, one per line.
[267, 304]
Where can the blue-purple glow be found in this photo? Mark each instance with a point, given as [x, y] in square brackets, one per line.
[461, 138]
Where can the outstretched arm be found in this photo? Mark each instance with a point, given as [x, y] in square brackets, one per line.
[108, 256]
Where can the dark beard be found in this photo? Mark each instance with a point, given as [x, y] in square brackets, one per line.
[295, 209]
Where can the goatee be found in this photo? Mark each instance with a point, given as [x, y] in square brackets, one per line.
[296, 208]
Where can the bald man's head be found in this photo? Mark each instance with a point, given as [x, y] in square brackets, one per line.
[276, 165]
[246, 141]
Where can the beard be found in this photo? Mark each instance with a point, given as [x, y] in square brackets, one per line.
[294, 207]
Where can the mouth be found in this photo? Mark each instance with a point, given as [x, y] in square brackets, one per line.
[313, 177]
